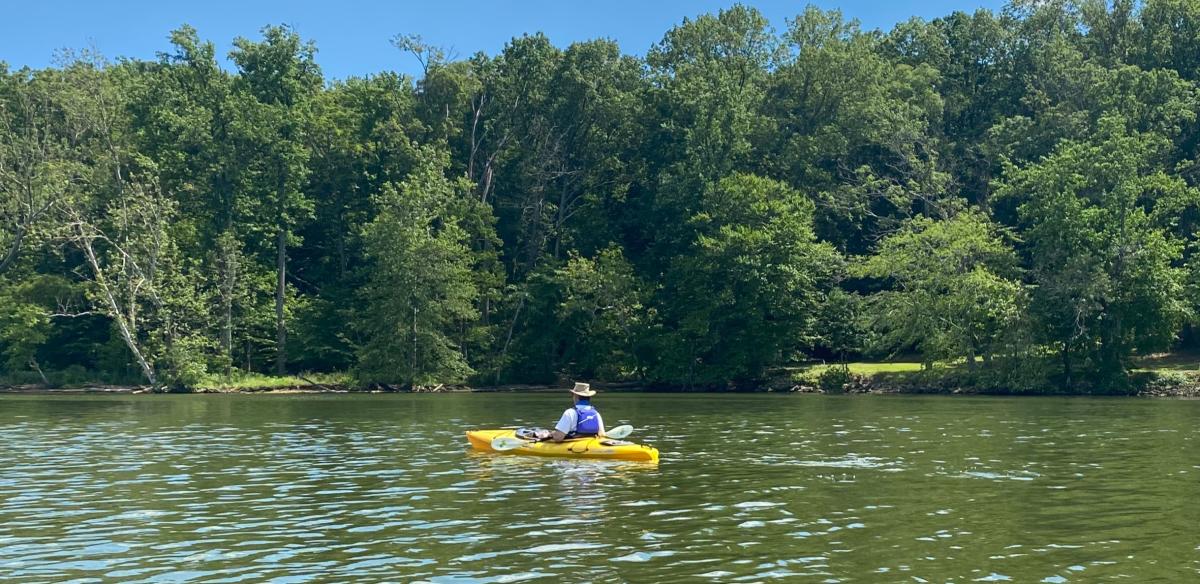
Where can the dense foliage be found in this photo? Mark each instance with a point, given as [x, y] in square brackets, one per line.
[987, 189]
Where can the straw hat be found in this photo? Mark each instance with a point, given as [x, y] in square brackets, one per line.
[583, 390]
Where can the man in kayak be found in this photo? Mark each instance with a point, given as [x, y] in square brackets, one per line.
[581, 419]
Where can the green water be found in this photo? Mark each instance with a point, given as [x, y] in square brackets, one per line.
[750, 489]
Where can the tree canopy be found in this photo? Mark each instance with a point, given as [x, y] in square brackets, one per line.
[982, 189]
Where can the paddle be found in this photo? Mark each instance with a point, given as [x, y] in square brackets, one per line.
[502, 443]
[620, 432]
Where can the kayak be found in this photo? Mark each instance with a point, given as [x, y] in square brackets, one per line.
[596, 448]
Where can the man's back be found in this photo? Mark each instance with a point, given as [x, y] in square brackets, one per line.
[584, 415]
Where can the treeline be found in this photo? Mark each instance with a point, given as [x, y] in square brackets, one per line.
[1011, 191]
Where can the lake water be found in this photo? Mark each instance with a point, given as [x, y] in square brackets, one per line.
[750, 488]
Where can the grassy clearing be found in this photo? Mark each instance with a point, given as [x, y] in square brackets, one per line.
[1184, 362]
[811, 372]
[252, 381]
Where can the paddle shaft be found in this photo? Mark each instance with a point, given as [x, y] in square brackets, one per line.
[503, 443]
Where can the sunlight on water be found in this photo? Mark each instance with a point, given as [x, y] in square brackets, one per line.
[750, 488]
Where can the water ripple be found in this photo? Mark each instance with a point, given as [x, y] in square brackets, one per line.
[750, 489]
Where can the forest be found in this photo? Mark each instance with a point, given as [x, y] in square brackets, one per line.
[1013, 192]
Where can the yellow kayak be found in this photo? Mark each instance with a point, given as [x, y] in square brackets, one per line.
[598, 448]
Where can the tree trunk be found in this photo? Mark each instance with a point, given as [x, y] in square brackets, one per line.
[560, 218]
[227, 332]
[228, 278]
[508, 338]
[280, 288]
[13, 249]
[33, 363]
[1066, 357]
[691, 374]
[412, 369]
[1110, 343]
[341, 246]
[124, 325]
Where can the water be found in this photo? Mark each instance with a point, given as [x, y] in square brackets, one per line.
[751, 488]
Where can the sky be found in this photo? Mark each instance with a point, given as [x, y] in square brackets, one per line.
[352, 36]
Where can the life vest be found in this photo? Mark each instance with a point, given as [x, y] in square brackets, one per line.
[587, 420]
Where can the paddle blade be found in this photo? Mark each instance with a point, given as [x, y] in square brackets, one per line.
[619, 432]
[502, 443]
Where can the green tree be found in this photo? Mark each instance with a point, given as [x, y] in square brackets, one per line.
[951, 291]
[278, 78]
[744, 297]
[1097, 219]
[1170, 37]
[588, 318]
[853, 130]
[184, 115]
[38, 169]
[137, 278]
[361, 136]
[708, 79]
[419, 286]
[26, 312]
[597, 100]
[122, 223]
[974, 59]
[840, 324]
[603, 310]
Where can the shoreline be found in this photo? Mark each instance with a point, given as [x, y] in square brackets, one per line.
[865, 386]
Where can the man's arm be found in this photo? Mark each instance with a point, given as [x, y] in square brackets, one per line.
[564, 425]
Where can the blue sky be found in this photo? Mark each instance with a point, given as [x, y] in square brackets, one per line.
[352, 35]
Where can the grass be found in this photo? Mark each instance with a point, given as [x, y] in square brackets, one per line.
[239, 381]
[1184, 361]
[250, 381]
[811, 372]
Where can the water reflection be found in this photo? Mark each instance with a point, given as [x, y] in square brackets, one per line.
[749, 488]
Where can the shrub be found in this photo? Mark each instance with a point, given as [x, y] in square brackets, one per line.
[835, 379]
[1165, 382]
